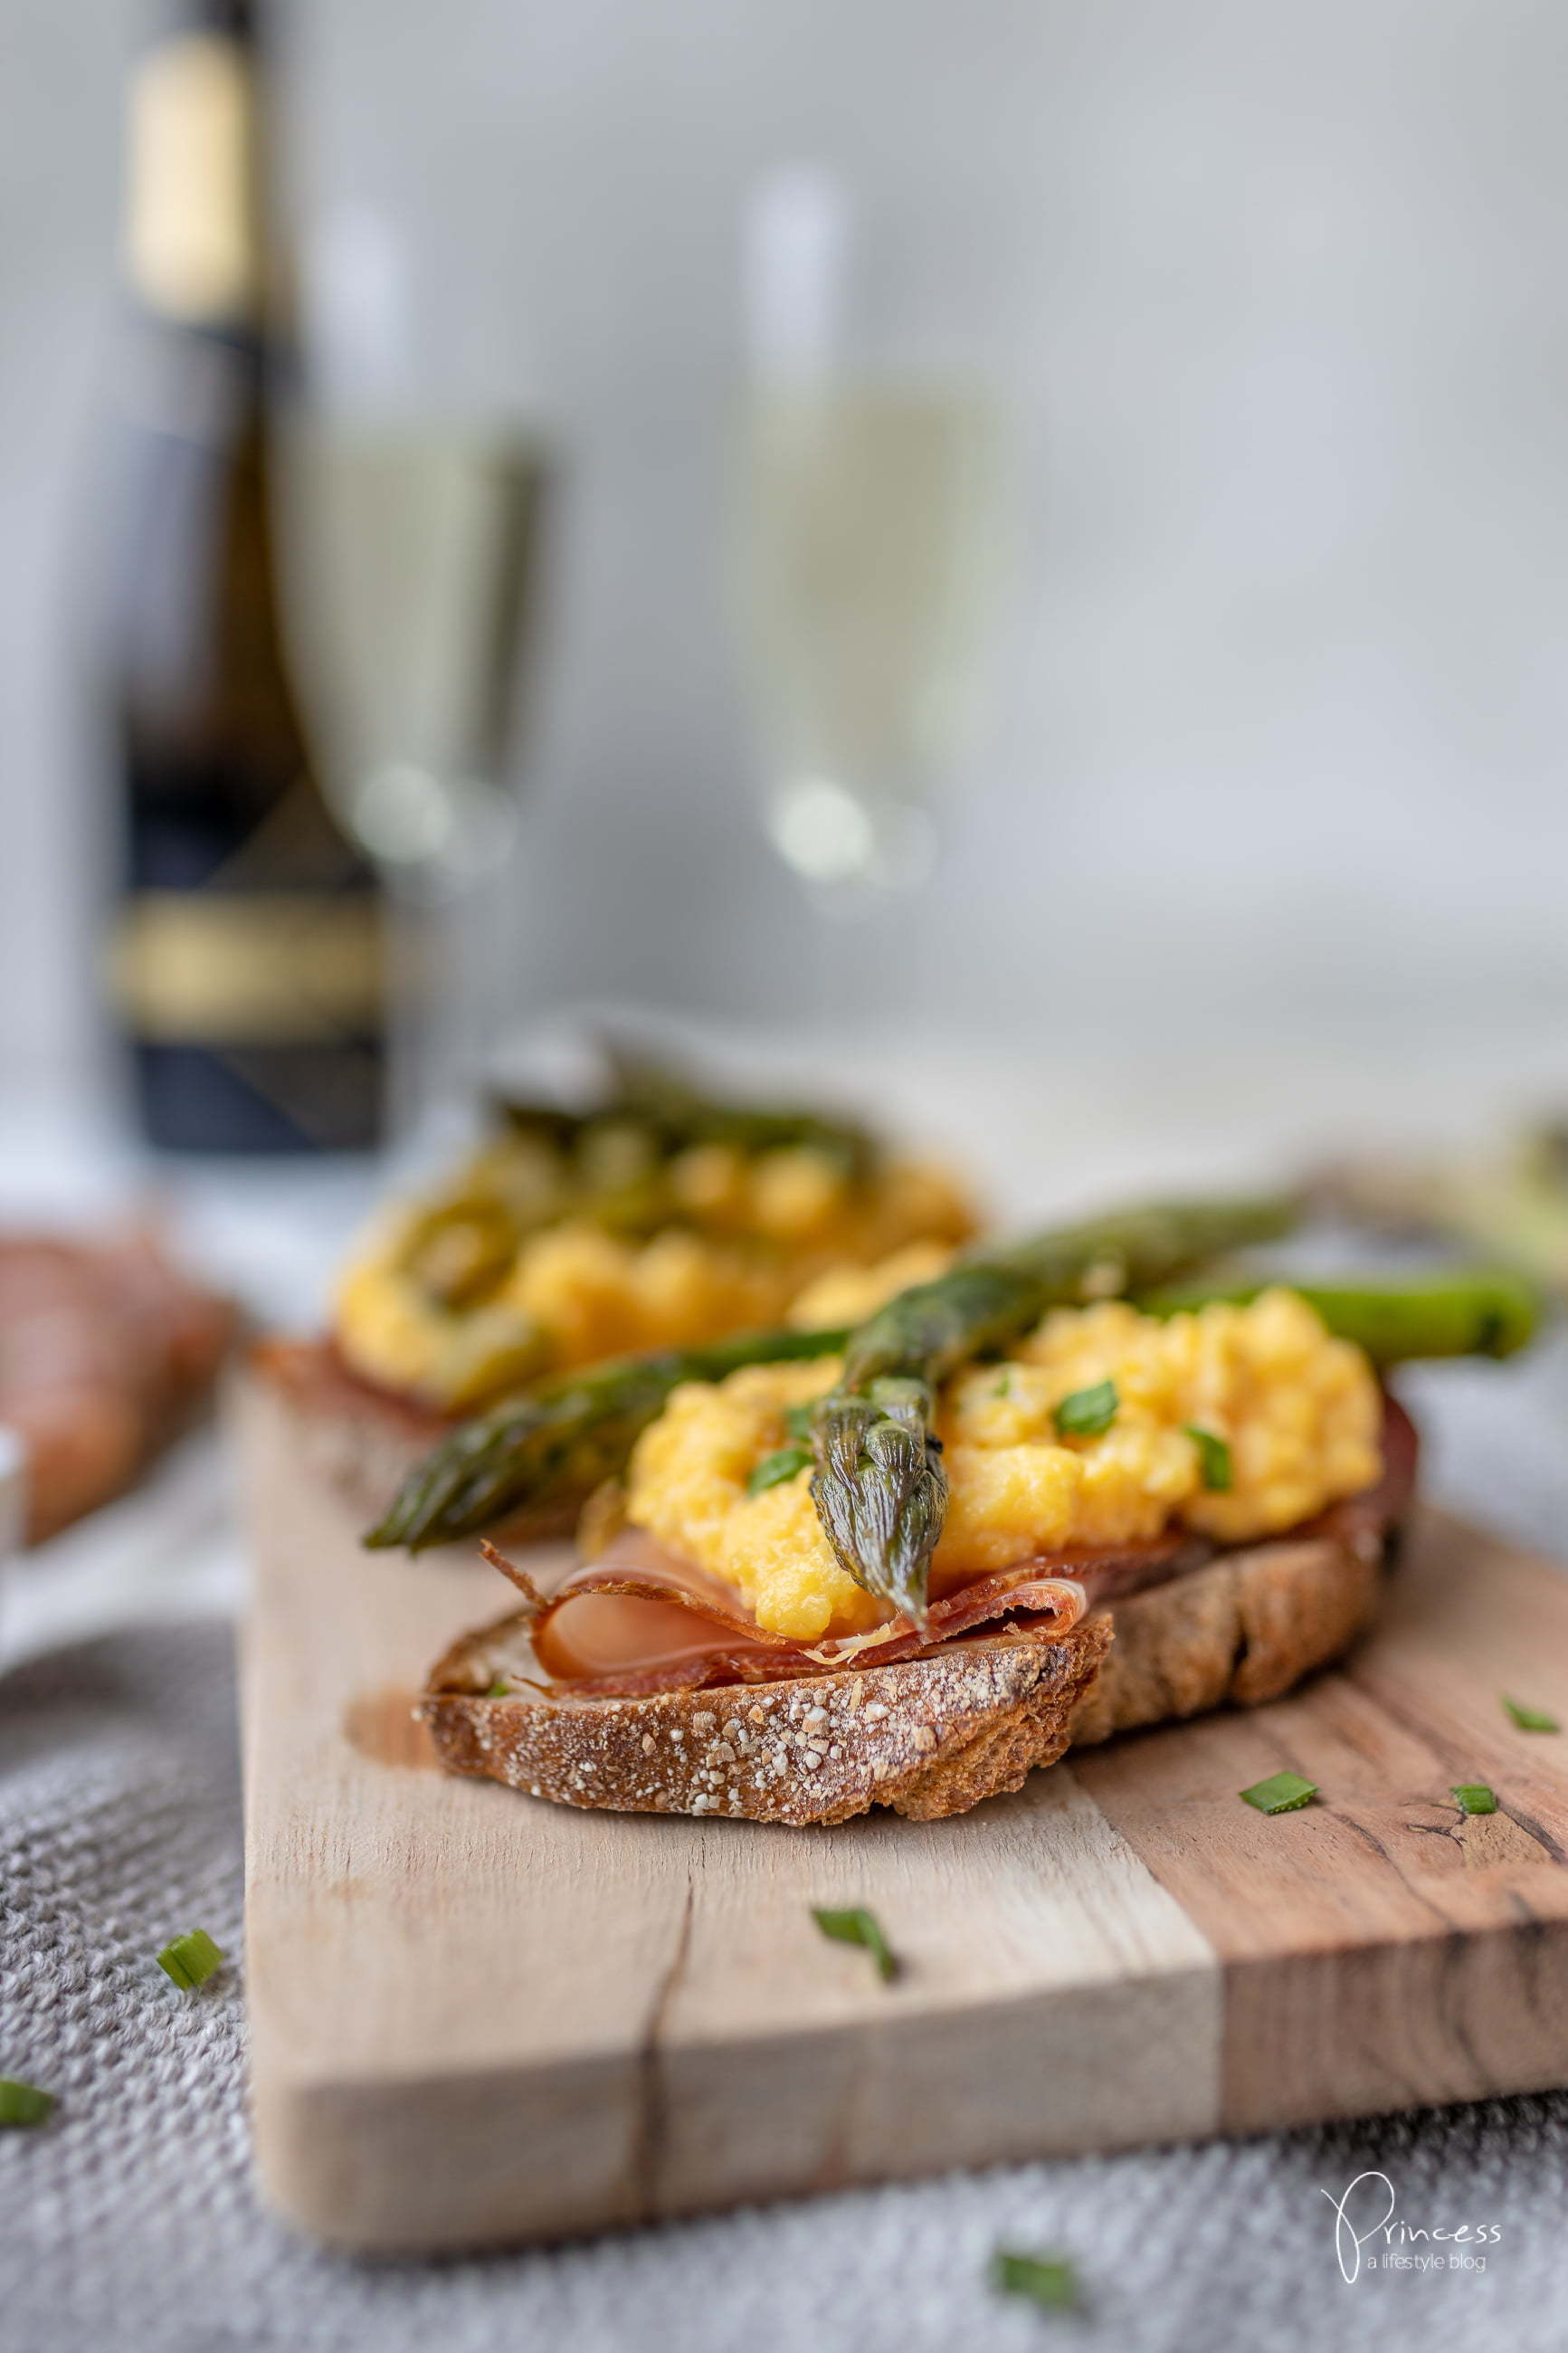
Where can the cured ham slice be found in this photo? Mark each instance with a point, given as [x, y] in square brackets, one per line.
[639, 1620]
[1383, 1504]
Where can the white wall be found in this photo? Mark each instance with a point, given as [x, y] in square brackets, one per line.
[1278, 291]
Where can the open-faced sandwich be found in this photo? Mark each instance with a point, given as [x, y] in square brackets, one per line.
[655, 1219]
[1055, 1493]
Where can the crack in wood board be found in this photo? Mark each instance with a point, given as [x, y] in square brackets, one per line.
[651, 2114]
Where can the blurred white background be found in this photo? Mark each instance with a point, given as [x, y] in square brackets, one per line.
[1279, 299]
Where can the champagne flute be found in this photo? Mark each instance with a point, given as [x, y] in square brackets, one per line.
[417, 557]
[869, 529]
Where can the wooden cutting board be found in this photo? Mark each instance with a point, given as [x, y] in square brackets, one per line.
[478, 2017]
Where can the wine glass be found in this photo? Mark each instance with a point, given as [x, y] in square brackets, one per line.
[415, 542]
[868, 514]
[415, 558]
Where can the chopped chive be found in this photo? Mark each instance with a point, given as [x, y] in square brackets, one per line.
[1215, 1465]
[189, 1959]
[23, 2104]
[1004, 1387]
[1530, 1719]
[1475, 1797]
[774, 1469]
[1048, 2281]
[859, 1928]
[1282, 1793]
[498, 1689]
[1086, 1412]
[798, 1420]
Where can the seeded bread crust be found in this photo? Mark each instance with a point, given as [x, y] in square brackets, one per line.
[364, 1442]
[1240, 1631]
[926, 1737]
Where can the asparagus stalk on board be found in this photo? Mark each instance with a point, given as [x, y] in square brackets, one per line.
[1454, 1311]
[879, 1485]
[557, 1443]
[561, 1441]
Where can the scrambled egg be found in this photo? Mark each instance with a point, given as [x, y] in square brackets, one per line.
[756, 1230]
[848, 1294]
[1298, 1411]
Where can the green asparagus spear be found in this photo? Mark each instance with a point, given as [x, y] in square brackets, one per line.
[663, 1107]
[1457, 1311]
[680, 1114]
[556, 1444]
[879, 1485]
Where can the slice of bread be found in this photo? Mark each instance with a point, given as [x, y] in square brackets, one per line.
[1237, 1631]
[926, 1737]
[365, 1441]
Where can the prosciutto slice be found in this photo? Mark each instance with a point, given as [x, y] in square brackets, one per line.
[642, 1620]
[1358, 1519]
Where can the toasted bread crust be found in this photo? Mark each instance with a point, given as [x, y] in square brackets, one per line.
[926, 1737]
[1240, 1631]
[363, 1441]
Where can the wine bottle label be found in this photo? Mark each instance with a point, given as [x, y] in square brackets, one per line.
[192, 247]
[264, 968]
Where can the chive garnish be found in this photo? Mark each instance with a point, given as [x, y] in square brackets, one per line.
[1530, 1719]
[1004, 1387]
[774, 1469]
[498, 1689]
[1282, 1793]
[1086, 1412]
[798, 1420]
[1475, 1797]
[1048, 2281]
[189, 1959]
[858, 1926]
[1215, 1466]
[23, 2104]
[1491, 1329]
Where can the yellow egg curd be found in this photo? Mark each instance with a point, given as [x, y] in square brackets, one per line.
[1296, 1415]
[456, 1319]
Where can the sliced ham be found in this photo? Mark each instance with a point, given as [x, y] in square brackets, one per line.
[641, 1619]
[1383, 1504]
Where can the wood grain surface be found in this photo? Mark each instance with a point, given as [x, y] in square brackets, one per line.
[476, 2018]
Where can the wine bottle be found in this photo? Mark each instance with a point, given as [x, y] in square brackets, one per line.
[248, 956]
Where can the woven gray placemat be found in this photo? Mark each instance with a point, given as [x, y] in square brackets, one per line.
[130, 2221]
